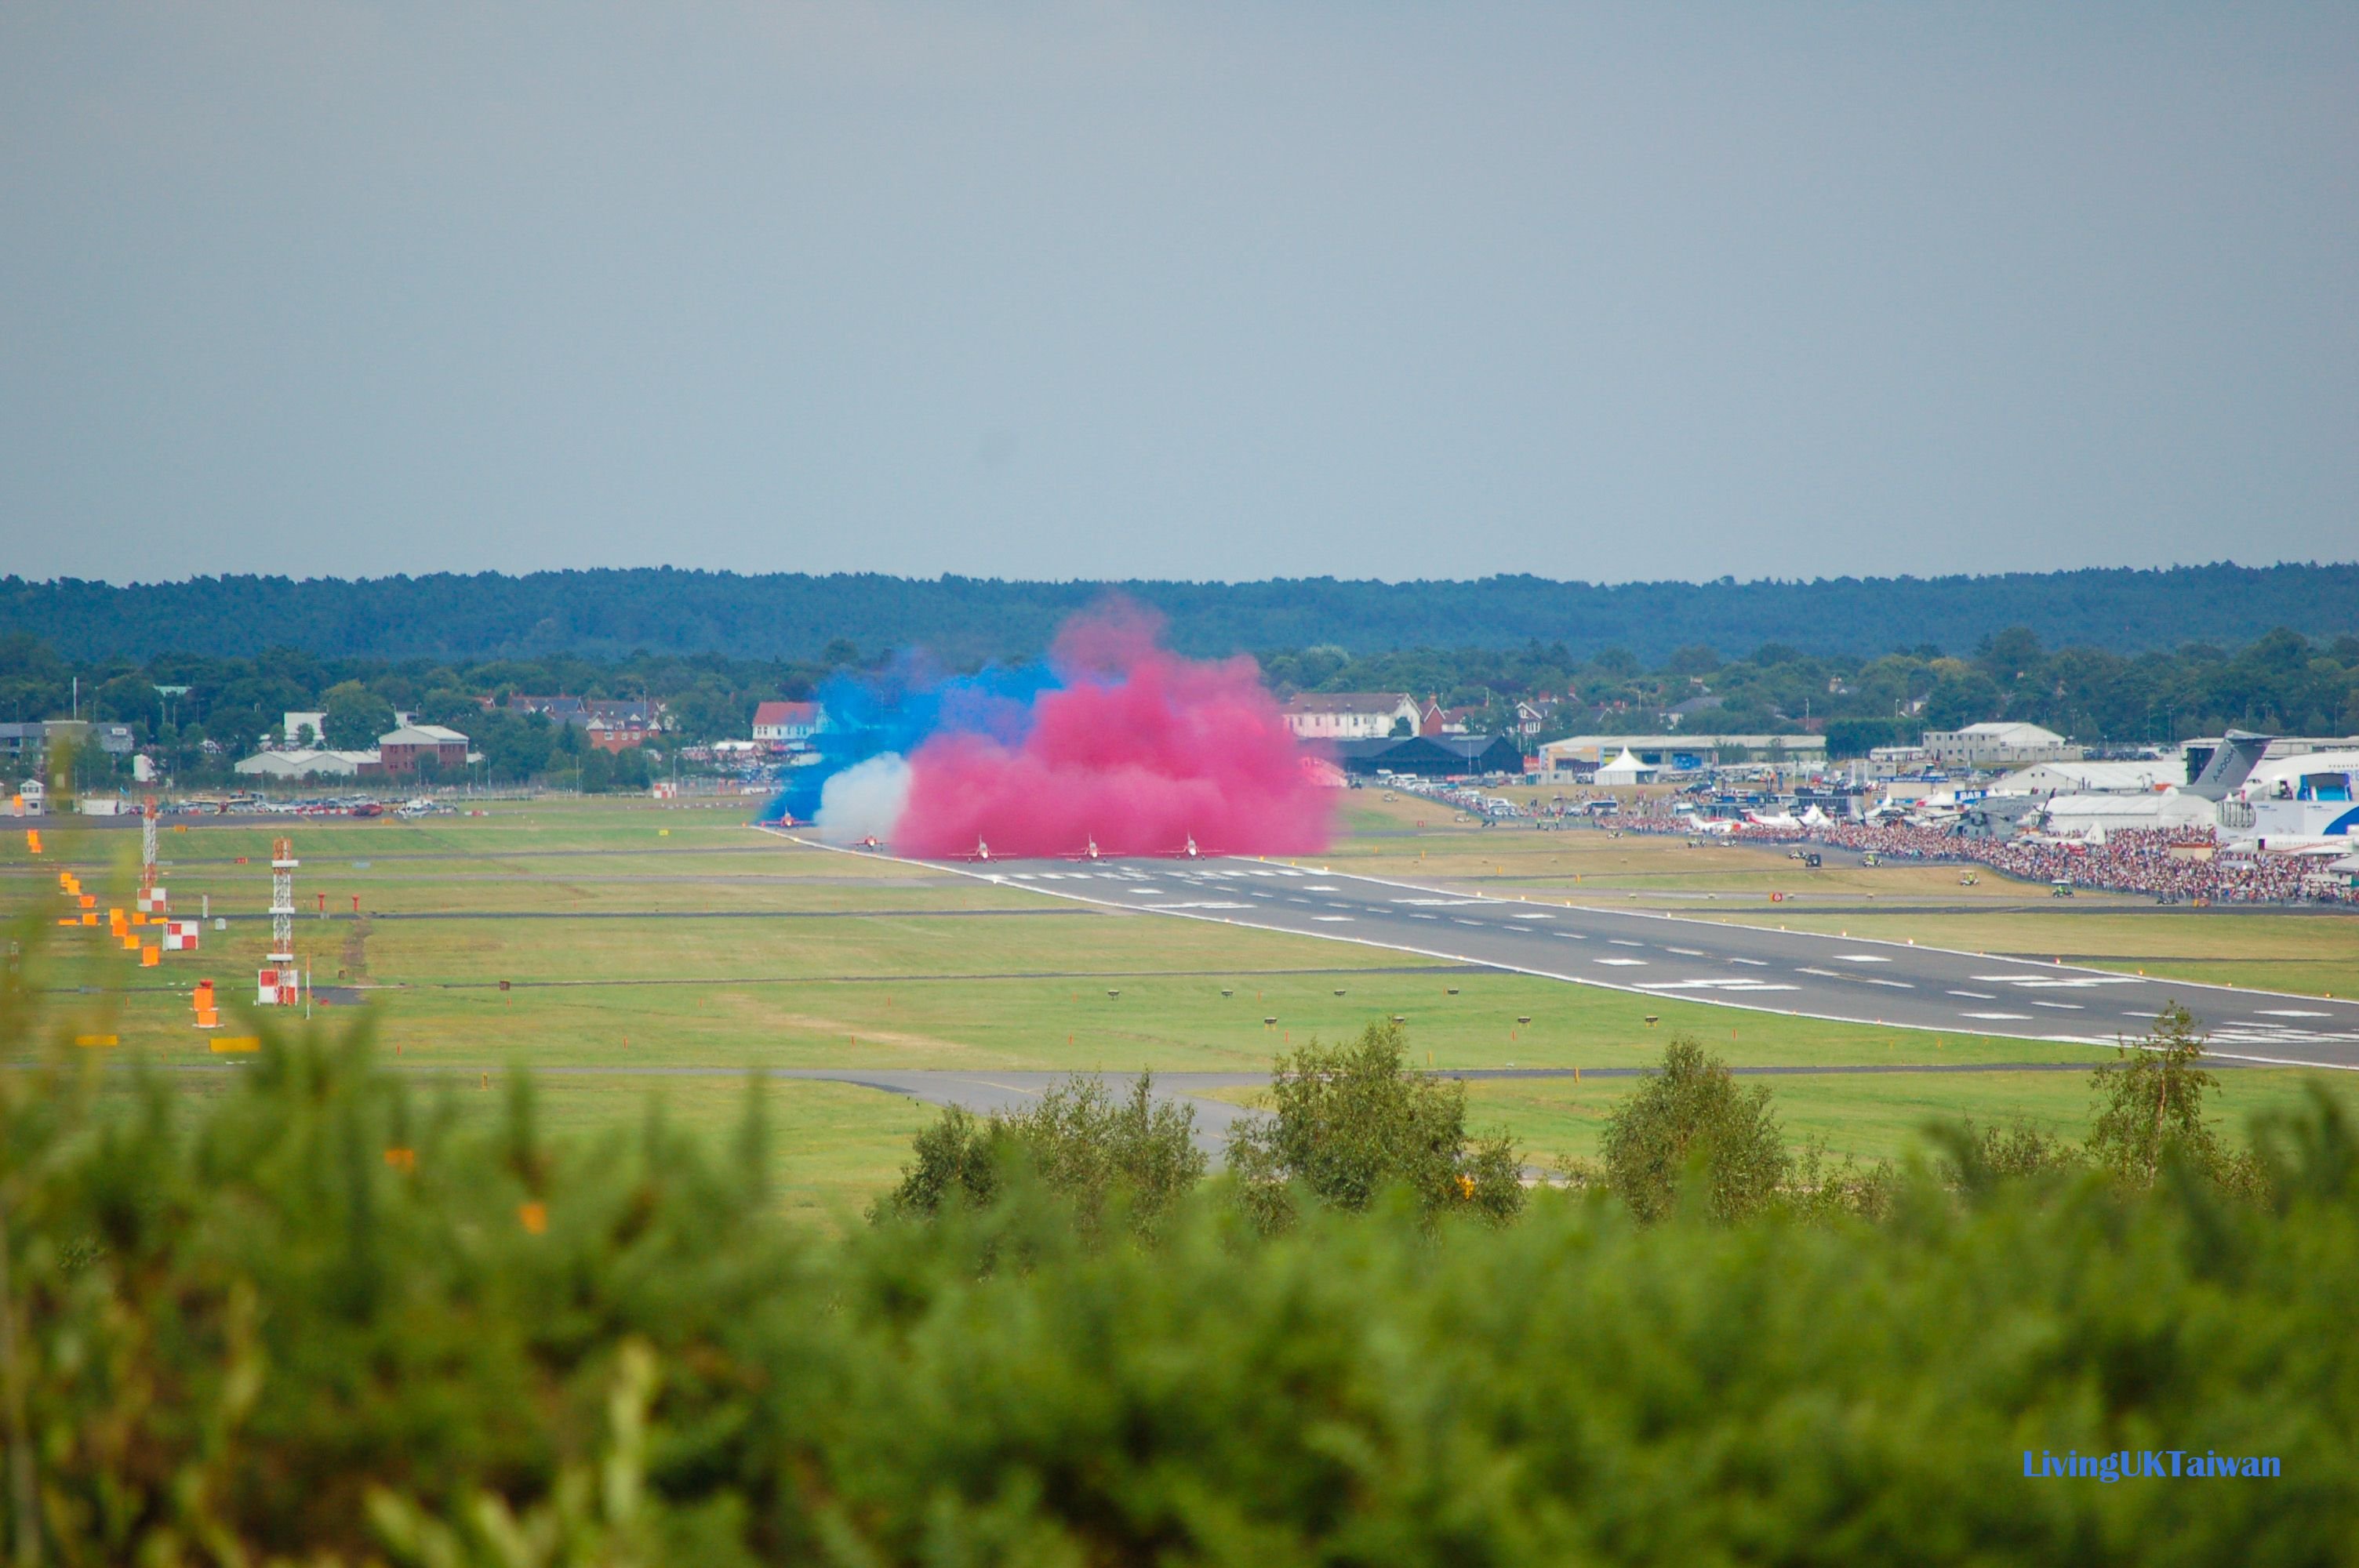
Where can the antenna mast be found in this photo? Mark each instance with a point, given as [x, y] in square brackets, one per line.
[279, 985]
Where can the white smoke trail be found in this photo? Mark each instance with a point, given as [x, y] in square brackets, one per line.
[865, 799]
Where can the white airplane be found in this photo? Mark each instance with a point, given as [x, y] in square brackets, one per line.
[1191, 851]
[867, 843]
[981, 850]
[1090, 851]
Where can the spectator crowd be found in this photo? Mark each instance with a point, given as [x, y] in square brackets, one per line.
[2176, 865]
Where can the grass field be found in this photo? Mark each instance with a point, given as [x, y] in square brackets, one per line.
[634, 934]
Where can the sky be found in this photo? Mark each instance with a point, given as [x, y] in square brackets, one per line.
[1088, 289]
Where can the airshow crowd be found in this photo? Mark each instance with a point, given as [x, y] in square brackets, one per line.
[2177, 865]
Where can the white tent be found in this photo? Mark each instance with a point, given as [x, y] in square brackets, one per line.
[2085, 815]
[1624, 769]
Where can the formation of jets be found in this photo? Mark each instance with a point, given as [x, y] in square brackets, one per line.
[1089, 850]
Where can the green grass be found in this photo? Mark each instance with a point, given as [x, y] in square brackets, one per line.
[1875, 1116]
[638, 934]
[833, 1147]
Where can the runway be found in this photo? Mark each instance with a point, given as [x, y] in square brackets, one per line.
[1758, 969]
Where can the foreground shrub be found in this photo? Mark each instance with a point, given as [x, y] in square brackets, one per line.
[1691, 1118]
[1350, 1121]
[317, 1318]
[1138, 1155]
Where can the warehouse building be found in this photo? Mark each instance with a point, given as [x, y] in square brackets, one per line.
[1999, 745]
[2093, 778]
[1431, 756]
[1577, 756]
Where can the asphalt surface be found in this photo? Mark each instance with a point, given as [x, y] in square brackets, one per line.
[1217, 1120]
[1758, 969]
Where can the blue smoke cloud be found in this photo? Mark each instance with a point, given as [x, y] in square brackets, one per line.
[898, 708]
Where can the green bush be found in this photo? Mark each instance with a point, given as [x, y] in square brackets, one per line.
[1691, 1118]
[1138, 1155]
[1350, 1121]
[320, 1317]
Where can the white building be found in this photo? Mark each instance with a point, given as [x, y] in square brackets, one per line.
[783, 722]
[305, 763]
[1677, 753]
[2142, 777]
[293, 724]
[2095, 816]
[1999, 745]
[1352, 715]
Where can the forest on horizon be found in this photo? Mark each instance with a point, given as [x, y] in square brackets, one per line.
[612, 613]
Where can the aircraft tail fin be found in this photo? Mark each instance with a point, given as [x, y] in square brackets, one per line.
[2228, 764]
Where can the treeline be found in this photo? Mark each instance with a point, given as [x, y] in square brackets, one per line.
[2281, 682]
[612, 614]
[1352, 1125]
[234, 702]
[323, 1316]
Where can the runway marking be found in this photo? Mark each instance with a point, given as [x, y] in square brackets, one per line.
[2043, 983]
[1525, 929]
[2007, 980]
[1413, 914]
[1978, 996]
[1320, 887]
[1863, 958]
[1872, 980]
[2289, 1012]
[1625, 941]
[1572, 936]
[1198, 903]
[1437, 903]
[1756, 963]
[1747, 985]
[2060, 1006]
[1686, 952]
[1625, 963]
[2013, 1017]
[1332, 919]
[1455, 920]
[1823, 974]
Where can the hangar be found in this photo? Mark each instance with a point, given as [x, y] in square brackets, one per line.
[1431, 756]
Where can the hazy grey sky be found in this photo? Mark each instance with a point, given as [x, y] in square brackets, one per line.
[1176, 290]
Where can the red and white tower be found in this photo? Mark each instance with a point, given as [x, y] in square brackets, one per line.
[151, 897]
[278, 984]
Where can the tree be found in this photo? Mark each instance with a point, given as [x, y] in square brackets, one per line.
[1352, 1120]
[1959, 698]
[356, 716]
[950, 1163]
[1692, 1114]
[1098, 1153]
[452, 708]
[2149, 1109]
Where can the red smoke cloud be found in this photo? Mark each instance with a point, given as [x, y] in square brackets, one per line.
[1140, 751]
